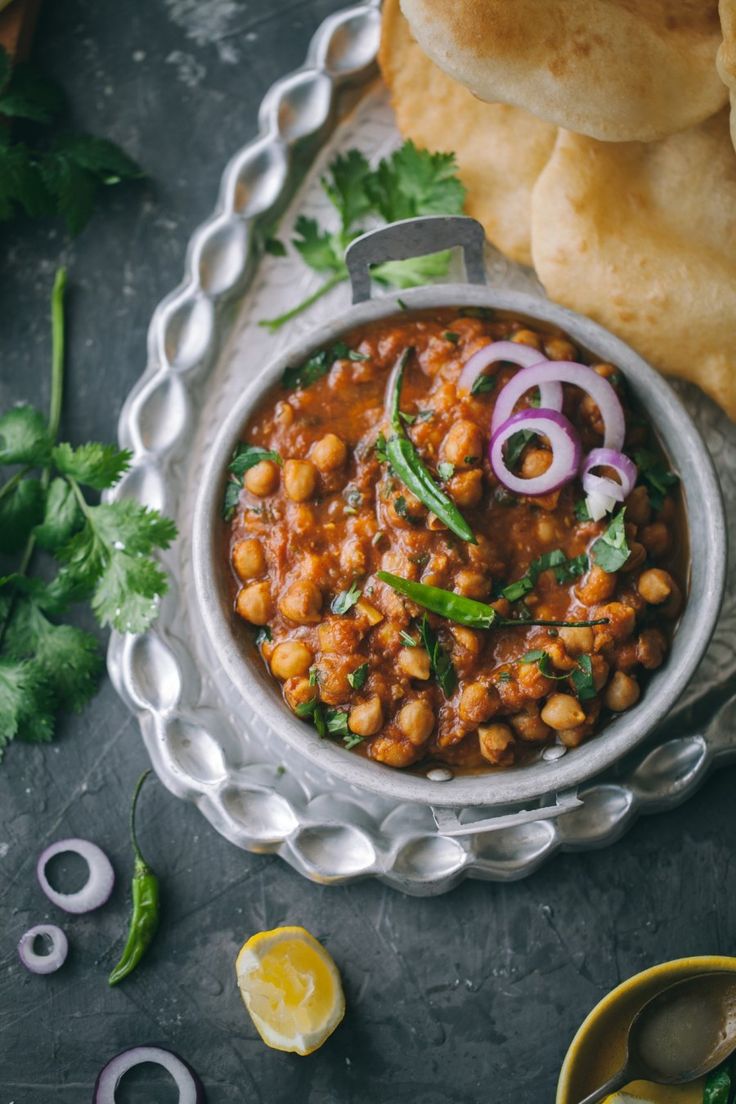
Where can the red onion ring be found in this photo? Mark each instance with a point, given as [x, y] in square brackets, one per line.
[565, 371]
[562, 437]
[603, 493]
[43, 963]
[512, 353]
[191, 1089]
[98, 887]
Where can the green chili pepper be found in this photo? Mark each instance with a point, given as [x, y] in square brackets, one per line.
[465, 611]
[407, 465]
[145, 915]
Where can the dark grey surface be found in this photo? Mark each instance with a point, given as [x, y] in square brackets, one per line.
[468, 998]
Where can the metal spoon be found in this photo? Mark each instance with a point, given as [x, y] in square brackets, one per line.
[679, 1035]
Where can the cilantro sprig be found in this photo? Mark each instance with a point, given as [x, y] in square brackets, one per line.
[564, 569]
[408, 183]
[45, 170]
[101, 551]
[611, 551]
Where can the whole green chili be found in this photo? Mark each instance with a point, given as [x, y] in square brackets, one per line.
[145, 914]
[408, 466]
[465, 611]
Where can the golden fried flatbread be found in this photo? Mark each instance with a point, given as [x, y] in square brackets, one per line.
[500, 150]
[727, 56]
[617, 70]
[642, 238]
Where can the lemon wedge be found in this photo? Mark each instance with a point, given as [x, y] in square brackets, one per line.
[291, 988]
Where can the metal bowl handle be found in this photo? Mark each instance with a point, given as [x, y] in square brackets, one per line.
[415, 237]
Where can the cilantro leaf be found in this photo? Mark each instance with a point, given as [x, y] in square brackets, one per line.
[413, 272]
[135, 527]
[516, 445]
[582, 679]
[246, 457]
[95, 465]
[20, 509]
[126, 593]
[24, 437]
[582, 513]
[346, 599]
[416, 182]
[484, 384]
[352, 739]
[345, 187]
[337, 722]
[358, 677]
[25, 703]
[534, 656]
[30, 95]
[103, 159]
[21, 183]
[317, 366]
[68, 658]
[656, 476]
[407, 640]
[439, 660]
[274, 247]
[445, 470]
[313, 711]
[62, 516]
[611, 551]
[318, 248]
[231, 499]
[564, 570]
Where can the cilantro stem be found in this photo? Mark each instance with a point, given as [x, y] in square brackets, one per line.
[273, 324]
[14, 481]
[57, 352]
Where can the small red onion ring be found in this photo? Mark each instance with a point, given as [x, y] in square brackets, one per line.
[512, 352]
[191, 1089]
[98, 887]
[603, 493]
[565, 371]
[562, 437]
[43, 963]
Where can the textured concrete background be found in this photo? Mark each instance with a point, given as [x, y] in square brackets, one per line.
[469, 998]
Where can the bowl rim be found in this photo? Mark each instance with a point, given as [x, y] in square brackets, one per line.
[531, 782]
[699, 964]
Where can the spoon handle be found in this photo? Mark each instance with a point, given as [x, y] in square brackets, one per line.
[619, 1079]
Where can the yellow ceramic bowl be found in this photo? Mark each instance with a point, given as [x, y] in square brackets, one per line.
[599, 1047]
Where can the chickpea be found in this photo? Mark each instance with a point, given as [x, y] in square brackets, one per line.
[416, 721]
[414, 662]
[656, 539]
[532, 683]
[597, 586]
[249, 559]
[405, 510]
[573, 737]
[637, 556]
[478, 702]
[528, 337]
[434, 524]
[297, 691]
[577, 641]
[339, 635]
[300, 479]
[329, 453]
[393, 752]
[535, 462]
[463, 444]
[546, 530]
[466, 487]
[638, 507]
[366, 718]
[254, 603]
[290, 658]
[559, 348]
[472, 584]
[655, 586]
[530, 726]
[353, 558]
[284, 414]
[302, 602]
[599, 670]
[332, 678]
[562, 711]
[650, 649]
[621, 622]
[622, 692]
[496, 744]
[469, 640]
[262, 479]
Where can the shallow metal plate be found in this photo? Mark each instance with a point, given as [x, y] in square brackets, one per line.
[204, 744]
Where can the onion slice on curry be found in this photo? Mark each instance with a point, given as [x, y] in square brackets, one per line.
[602, 492]
[512, 352]
[563, 440]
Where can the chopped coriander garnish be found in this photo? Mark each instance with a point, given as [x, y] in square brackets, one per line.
[351, 740]
[274, 247]
[445, 470]
[516, 445]
[406, 640]
[358, 677]
[263, 636]
[483, 384]
[401, 304]
[582, 679]
[534, 656]
[380, 448]
[313, 711]
[421, 559]
[337, 722]
[564, 570]
[656, 476]
[313, 675]
[611, 551]
[505, 676]
[451, 336]
[346, 599]
[353, 354]
[581, 510]
[424, 415]
[471, 460]
[484, 313]
[317, 366]
[439, 660]
[401, 508]
[243, 459]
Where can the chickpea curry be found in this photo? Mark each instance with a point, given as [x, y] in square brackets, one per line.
[424, 593]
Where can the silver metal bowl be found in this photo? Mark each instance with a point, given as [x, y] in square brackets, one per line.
[677, 433]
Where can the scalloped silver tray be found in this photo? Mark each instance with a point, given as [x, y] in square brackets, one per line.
[204, 344]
